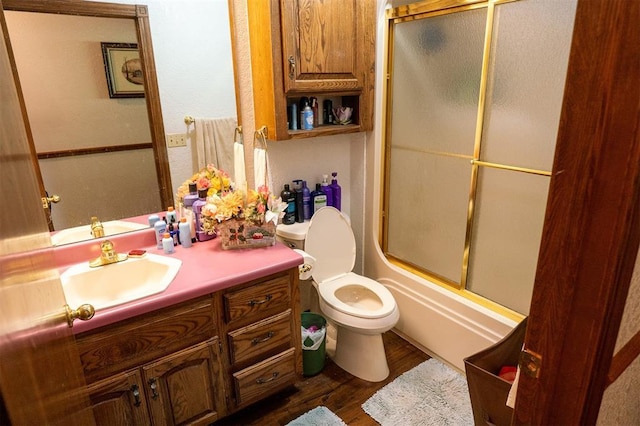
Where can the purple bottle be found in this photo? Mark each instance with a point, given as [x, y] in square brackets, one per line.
[326, 188]
[337, 191]
[201, 235]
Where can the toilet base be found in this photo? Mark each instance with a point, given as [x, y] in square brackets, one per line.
[362, 355]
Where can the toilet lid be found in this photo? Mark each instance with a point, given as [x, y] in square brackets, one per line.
[330, 240]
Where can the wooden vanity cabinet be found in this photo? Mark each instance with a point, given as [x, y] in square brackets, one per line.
[311, 48]
[162, 368]
[173, 367]
[261, 322]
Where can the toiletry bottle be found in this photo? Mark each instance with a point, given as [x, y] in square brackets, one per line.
[197, 208]
[160, 227]
[326, 188]
[299, 201]
[294, 117]
[318, 198]
[327, 111]
[192, 196]
[337, 191]
[173, 232]
[184, 228]
[288, 197]
[306, 200]
[307, 118]
[167, 243]
[172, 217]
[153, 219]
[314, 108]
[304, 102]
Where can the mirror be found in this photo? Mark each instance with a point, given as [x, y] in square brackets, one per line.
[95, 146]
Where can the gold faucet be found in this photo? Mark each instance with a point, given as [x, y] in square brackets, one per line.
[108, 255]
[97, 230]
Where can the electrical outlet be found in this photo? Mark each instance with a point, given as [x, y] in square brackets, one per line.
[176, 139]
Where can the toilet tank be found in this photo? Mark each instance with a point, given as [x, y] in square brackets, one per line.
[293, 235]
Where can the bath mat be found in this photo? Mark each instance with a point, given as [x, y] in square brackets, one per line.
[429, 394]
[319, 416]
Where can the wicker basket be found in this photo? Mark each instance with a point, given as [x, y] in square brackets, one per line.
[239, 234]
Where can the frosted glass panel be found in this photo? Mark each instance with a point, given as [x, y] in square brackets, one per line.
[429, 195]
[528, 66]
[508, 226]
[437, 64]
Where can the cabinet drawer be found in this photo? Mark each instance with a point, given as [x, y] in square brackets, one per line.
[264, 378]
[132, 342]
[260, 338]
[258, 300]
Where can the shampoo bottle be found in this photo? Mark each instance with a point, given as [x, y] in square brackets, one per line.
[326, 188]
[201, 235]
[318, 198]
[184, 228]
[337, 191]
[306, 200]
[192, 196]
[299, 202]
[288, 197]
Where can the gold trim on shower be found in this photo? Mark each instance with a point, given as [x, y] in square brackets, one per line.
[511, 168]
[422, 10]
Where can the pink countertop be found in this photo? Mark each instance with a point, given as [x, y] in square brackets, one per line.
[206, 268]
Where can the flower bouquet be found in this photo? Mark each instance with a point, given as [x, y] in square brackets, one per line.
[243, 221]
[215, 180]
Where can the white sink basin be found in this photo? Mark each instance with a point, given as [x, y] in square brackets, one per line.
[82, 233]
[118, 283]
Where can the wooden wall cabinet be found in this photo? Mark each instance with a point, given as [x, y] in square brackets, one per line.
[312, 48]
[170, 366]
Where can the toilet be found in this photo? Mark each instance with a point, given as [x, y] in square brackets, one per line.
[359, 308]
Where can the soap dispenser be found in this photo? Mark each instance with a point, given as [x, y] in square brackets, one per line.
[326, 188]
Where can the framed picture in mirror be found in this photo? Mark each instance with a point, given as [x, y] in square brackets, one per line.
[123, 69]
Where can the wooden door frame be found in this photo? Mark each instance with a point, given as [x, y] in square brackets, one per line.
[592, 225]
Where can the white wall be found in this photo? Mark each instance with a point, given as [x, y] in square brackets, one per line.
[192, 49]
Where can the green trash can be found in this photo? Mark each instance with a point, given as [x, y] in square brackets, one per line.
[314, 332]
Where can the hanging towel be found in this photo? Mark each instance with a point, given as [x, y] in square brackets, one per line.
[238, 161]
[214, 143]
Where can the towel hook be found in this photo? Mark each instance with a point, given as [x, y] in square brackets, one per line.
[237, 132]
[260, 135]
[189, 120]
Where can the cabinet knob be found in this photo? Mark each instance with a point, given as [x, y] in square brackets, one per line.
[136, 395]
[83, 313]
[153, 384]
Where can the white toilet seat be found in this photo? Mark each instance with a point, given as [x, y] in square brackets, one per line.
[327, 291]
[359, 308]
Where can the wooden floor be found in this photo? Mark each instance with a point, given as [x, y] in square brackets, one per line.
[334, 388]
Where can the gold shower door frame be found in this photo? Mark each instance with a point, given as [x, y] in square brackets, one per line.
[425, 10]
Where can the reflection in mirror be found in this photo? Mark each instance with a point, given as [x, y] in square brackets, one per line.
[103, 156]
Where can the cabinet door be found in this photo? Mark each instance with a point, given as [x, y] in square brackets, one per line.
[186, 387]
[119, 400]
[320, 45]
